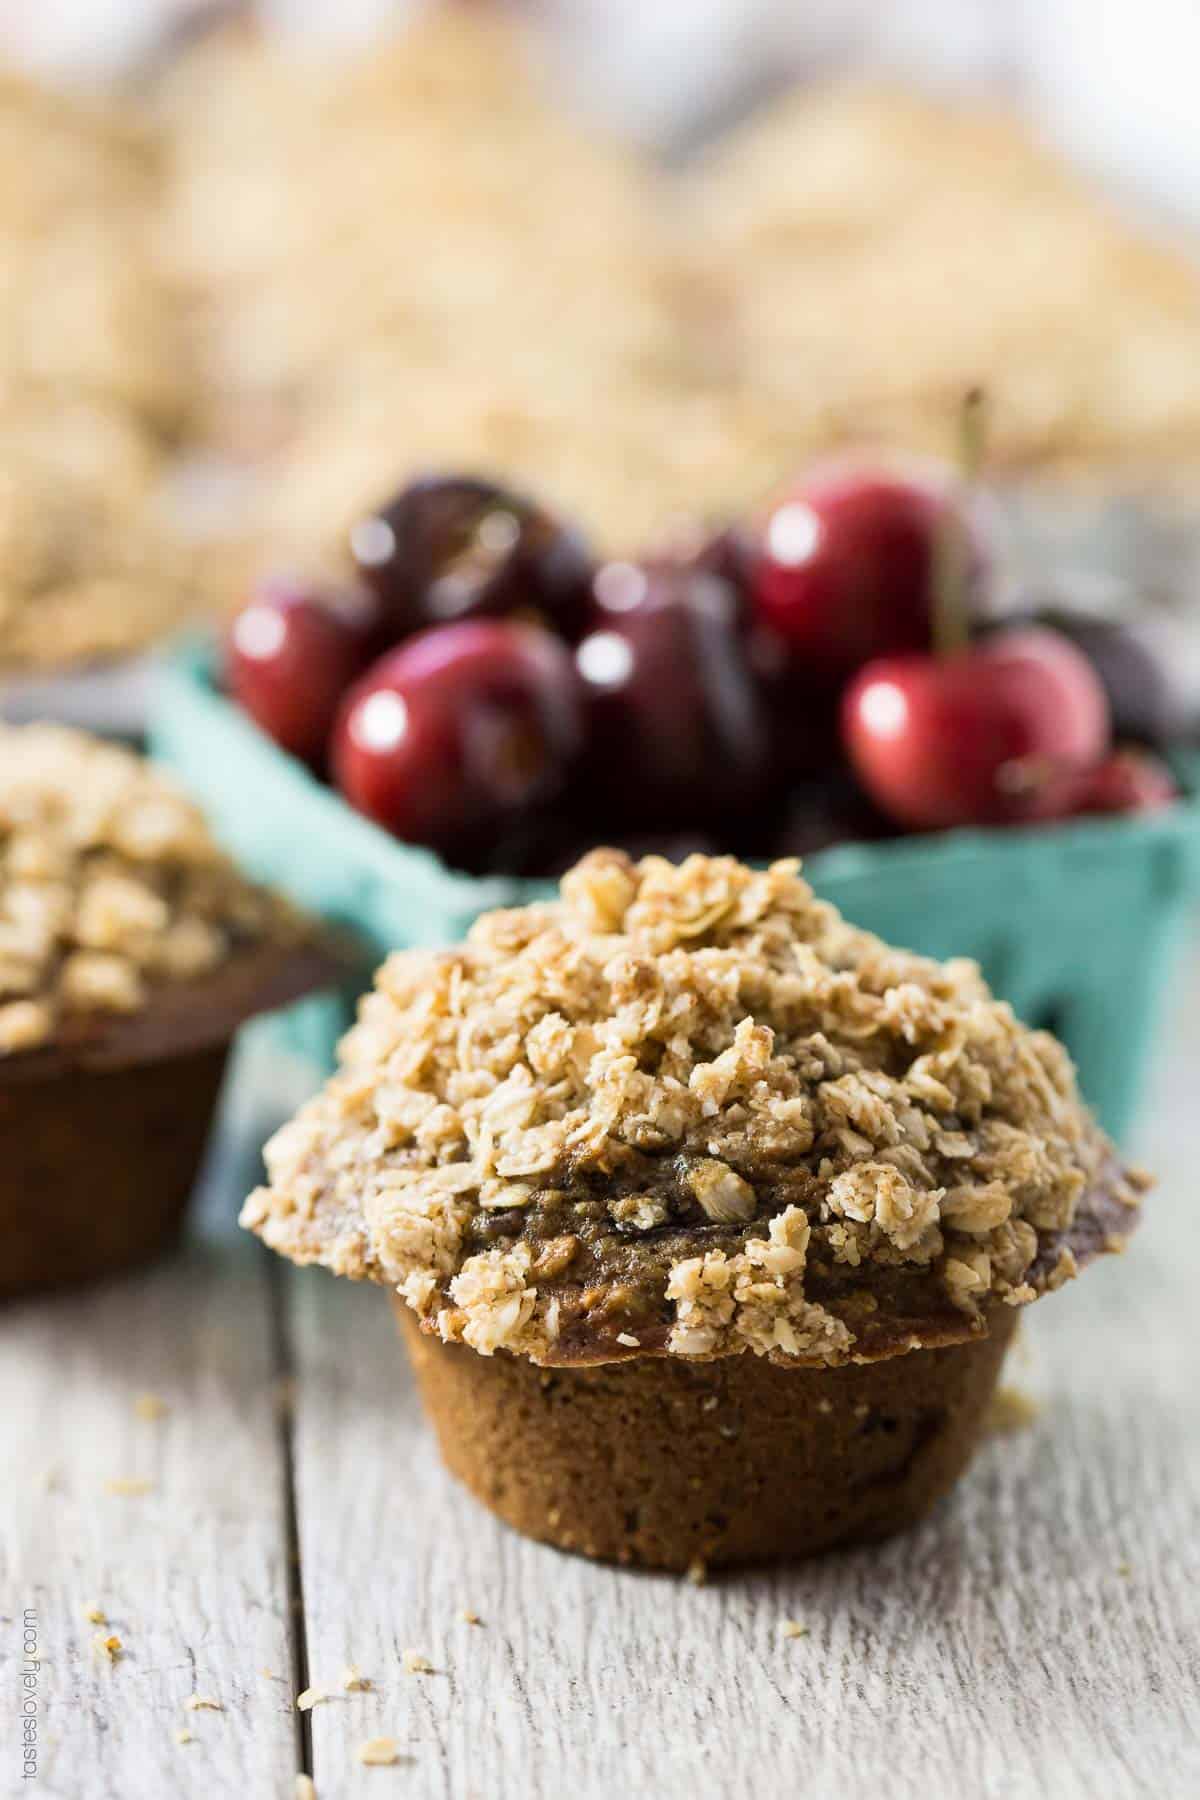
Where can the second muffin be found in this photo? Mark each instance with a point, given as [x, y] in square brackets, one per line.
[131, 950]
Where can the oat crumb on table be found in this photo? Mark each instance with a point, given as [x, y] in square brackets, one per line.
[353, 1680]
[95, 1616]
[792, 1628]
[150, 1407]
[416, 1664]
[184, 1736]
[311, 1696]
[1011, 1409]
[128, 1486]
[468, 1617]
[379, 1752]
[202, 1703]
[108, 1645]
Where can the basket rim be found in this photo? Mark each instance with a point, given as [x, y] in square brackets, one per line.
[189, 666]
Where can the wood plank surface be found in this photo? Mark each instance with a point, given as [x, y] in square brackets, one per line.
[192, 1573]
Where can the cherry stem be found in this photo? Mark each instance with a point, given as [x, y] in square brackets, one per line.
[952, 542]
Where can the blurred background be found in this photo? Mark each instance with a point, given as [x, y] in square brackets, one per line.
[259, 264]
[258, 261]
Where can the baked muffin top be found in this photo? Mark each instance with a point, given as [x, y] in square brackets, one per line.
[112, 891]
[690, 1110]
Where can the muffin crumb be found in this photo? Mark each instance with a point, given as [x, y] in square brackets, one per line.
[128, 1486]
[353, 1680]
[792, 1628]
[379, 1752]
[95, 1616]
[415, 1664]
[305, 1788]
[150, 1407]
[468, 1617]
[1011, 1409]
[108, 1645]
[184, 1736]
[201, 1703]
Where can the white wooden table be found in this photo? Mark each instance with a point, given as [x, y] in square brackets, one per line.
[1040, 1636]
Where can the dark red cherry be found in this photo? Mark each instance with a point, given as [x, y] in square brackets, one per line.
[844, 562]
[676, 736]
[459, 737]
[449, 547]
[292, 651]
[993, 734]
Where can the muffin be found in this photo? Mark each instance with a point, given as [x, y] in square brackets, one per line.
[707, 1215]
[130, 952]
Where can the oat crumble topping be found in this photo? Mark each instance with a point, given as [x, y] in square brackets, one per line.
[110, 884]
[690, 1110]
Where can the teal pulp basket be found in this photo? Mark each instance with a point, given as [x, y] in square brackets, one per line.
[1076, 924]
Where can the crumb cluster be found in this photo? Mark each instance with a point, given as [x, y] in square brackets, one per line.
[110, 883]
[687, 1109]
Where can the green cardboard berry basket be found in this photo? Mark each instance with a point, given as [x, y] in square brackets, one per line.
[1076, 924]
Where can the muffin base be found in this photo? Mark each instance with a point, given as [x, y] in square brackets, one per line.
[97, 1165]
[668, 1464]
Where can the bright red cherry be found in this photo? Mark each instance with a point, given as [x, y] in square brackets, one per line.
[452, 547]
[460, 736]
[292, 651]
[1128, 781]
[675, 733]
[988, 735]
[844, 562]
